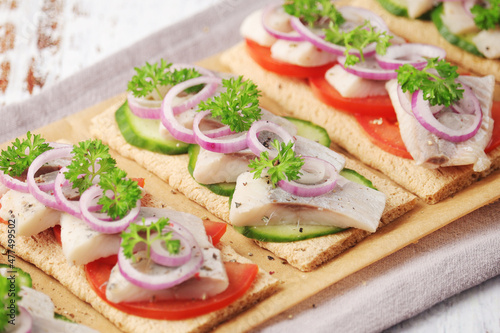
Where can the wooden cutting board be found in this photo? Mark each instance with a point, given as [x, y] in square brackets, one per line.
[297, 286]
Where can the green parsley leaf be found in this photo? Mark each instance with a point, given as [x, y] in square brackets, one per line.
[436, 80]
[358, 38]
[314, 11]
[125, 193]
[91, 158]
[19, 156]
[151, 76]
[238, 106]
[487, 17]
[9, 294]
[286, 165]
[141, 233]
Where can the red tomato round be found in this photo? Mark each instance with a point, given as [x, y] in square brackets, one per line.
[262, 55]
[376, 106]
[215, 230]
[241, 277]
[384, 134]
[495, 138]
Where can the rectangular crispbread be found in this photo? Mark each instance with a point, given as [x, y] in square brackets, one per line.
[297, 100]
[304, 255]
[44, 252]
[421, 31]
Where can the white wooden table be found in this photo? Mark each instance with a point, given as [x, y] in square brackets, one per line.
[44, 41]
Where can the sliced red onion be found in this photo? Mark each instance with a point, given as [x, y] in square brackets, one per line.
[24, 322]
[227, 144]
[151, 109]
[168, 115]
[45, 197]
[290, 36]
[253, 141]
[368, 69]
[13, 183]
[405, 101]
[468, 4]
[70, 207]
[161, 256]
[312, 165]
[469, 105]
[409, 53]
[173, 277]
[101, 225]
[358, 16]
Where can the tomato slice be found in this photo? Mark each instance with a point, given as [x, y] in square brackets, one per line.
[262, 55]
[215, 230]
[241, 277]
[385, 133]
[495, 138]
[376, 106]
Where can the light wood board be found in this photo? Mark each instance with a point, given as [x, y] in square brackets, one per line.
[297, 286]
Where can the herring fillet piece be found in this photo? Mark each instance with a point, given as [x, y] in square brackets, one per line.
[431, 151]
[211, 280]
[255, 202]
[81, 244]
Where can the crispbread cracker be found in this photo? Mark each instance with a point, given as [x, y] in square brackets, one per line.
[173, 170]
[297, 100]
[420, 31]
[43, 251]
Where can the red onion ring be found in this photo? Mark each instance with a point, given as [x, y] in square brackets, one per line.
[24, 322]
[70, 207]
[97, 224]
[406, 102]
[312, 190]
[266, 13]
[174, 277]
[468, 4]
[415, 53]
[223, 145]
[151, 109]
[423, 114]
[168, 116]
[368, 69]
[44, 197]
[161, 256]
[265, 125]
[13, 183]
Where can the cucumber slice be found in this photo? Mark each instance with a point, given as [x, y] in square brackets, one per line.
[144, 133]
[353, 176]
[21, 276]
[311, 131]
[293, 233]
[462, 41]
[395, 7]
[286, 233]
[224, 189]
[400, 8]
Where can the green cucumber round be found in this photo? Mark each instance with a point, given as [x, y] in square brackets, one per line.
[144, 133]
[292, 233]
[286, 233]
[462, 41]
[311, 131]
[224, 189]
[395, 7]
[21, 276]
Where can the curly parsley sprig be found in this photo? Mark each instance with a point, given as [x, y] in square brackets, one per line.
[438, 89]
[150, 76]
[314, 11]
[9, 297]
[357, 38]
[92, 163]
[487, 17]
[142, 233]
[238, 106]
[285, 166]
[19, 156]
